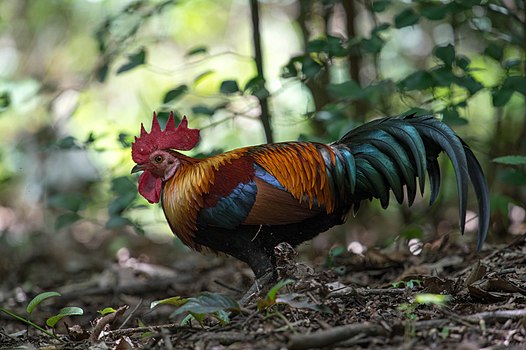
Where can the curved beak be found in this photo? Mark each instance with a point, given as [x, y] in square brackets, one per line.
[137, 168]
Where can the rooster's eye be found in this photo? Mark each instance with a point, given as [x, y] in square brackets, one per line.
[158, 159]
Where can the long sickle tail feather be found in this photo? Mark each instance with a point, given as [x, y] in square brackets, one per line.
[393, 152]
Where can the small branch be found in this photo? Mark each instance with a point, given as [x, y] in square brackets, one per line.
[365, 291]
[494, 316]
[127, 331]
[105, 320]
[334, 335]
[131, 314]
[258, 56]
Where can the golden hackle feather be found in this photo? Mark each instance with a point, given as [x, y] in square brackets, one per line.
[296, 165]
[183, 194]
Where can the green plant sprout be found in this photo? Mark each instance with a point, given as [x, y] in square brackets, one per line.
[106, 311]
[215, 305]
[52, 321]
[421, 299]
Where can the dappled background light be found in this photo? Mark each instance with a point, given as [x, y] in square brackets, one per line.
[77, 78]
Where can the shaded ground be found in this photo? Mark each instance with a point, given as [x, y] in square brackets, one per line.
[350, 301]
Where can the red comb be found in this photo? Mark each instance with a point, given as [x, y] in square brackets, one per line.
[181, 138]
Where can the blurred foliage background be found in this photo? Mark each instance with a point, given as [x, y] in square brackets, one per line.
[77, 77]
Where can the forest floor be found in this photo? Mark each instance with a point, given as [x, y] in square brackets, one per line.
[443, 299]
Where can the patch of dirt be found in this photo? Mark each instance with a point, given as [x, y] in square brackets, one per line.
[379, 300]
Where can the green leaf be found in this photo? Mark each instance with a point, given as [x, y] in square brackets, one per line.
[67, 311]
[125, 140]
[196, 50]
[470, 84]
[229, 87]
[517, 83]
[69, 201]
[202, 76]
[335, 47]
[373, 45]
[348, 90]
[462, 62]
[380, 28]
[337, 251]
[511, 63]
[66, 219]
[5, 100]
[500, 203]
[120, 203]
[38, 299]
[176, 301]
[271, 294]
[413, 232]
[512, 176]
[443, 76]
[203, 109]
[68, 142]
[118, 221]
[511, 160]
[452, 117]
[380, 5]
[101, 72]
[223, 316]
[494, 51]
[123, 185]
[407, 17]
[256, 87]
[413, 283]
[208, 303]
[317, 46]
[434, 12]
[501, 96]
[134, 60]
[419, 80]
[163, 116]
[433, 299]
[445, 53]
[175, 93]
[107, 310]
[416, 111]
[310, 68]
[90, 139]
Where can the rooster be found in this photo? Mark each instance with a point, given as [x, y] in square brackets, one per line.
[246, 201]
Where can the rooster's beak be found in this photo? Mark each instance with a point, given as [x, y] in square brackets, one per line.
[137, 168]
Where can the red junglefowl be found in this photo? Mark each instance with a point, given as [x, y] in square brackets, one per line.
[246, 201]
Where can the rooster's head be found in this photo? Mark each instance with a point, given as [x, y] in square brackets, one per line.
[153, 155]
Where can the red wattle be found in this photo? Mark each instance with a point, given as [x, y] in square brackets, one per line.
[150, 187]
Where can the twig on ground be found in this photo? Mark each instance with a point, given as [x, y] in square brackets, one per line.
[365, 291]
[103, 321]
[334, 335]
[170, 326]
[497, 315]
[227, 338]
[130, 315]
